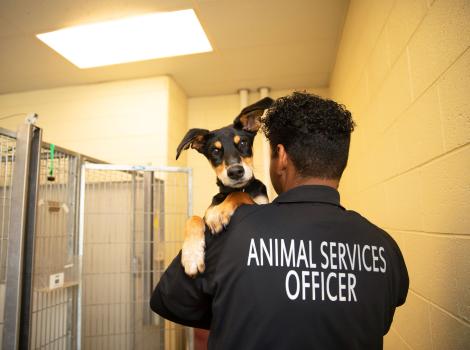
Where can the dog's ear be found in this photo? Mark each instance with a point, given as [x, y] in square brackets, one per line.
[194, 138]
[248, 119]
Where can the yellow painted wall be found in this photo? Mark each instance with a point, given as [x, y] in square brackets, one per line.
[177, 122]
[212, 113]
[120, 122]
[403, 69]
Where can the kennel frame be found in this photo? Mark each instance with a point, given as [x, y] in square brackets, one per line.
[20, 251]
[22, 228]
[21, 239]
[148, 173]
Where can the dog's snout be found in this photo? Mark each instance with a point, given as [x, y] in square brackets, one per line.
[235, 172]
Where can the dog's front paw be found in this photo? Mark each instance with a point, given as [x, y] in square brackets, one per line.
[192, 256]
[218, 216]
[192, 252]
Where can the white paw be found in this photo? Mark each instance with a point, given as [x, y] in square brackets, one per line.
[261, 199]
[192, 256]
[217, 218]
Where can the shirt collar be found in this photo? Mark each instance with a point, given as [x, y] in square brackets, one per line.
[310, 194]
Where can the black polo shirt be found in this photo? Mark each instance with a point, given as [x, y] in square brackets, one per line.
[300, 273]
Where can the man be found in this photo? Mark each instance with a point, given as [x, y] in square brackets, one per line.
[302, 272]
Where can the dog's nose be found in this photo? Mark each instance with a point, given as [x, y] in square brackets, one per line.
[235, 172]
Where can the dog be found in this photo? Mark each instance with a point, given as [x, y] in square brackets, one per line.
[230, 153]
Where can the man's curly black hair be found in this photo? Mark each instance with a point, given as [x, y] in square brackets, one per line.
[315, 132]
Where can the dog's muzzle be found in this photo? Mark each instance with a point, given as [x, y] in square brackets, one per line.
[235, 172]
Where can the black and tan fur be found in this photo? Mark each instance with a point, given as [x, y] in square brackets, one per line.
[230, 153]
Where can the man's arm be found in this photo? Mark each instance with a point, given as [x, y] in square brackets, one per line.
[182, 299]
[397, 277]
[185, 300]
[401, 277]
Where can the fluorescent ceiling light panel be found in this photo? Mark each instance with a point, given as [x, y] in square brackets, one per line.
[155, 35]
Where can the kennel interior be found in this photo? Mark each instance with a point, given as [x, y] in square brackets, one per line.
[96, 238]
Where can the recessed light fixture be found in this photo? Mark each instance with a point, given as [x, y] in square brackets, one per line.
[155, 35]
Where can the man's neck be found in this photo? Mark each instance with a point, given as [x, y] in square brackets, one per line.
[301, 181]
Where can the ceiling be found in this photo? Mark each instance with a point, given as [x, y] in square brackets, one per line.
[276, 43]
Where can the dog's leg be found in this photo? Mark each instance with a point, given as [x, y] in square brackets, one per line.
[218, 216]
[192, 253]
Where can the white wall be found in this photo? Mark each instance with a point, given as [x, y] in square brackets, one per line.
[120, 122]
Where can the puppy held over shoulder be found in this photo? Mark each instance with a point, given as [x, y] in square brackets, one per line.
[229, 151]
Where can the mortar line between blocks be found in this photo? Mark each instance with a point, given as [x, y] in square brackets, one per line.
[431, 84]
[428, 312]
[429, 161]
[430, 233]
[394, 330]
[363, 69]
[440, 308]
[405, 46]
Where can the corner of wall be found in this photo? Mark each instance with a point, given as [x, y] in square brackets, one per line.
[177, 121]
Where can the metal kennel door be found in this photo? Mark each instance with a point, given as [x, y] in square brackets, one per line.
[131, 227]
[8, 155]
[54, 294]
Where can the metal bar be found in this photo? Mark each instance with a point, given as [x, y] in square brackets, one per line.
[77, 237]
[29, 240]
[148, 245]
[14, 282]
[72, 184]
[161, 214]
[117, 167]
[8, 133]
[81, 231]
[72, 153]
[72, 220]
[134, 259]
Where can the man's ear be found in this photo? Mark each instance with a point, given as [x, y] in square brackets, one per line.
[282, 156]
[194, 138]
[248, 119]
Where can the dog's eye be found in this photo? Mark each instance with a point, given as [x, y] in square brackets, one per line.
[243, 143]
[216, 151]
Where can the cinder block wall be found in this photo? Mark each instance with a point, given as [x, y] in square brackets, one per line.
[403, 69]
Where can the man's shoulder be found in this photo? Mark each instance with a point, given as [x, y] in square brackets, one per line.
[369, 225]
[251, 211]
[377, 233]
